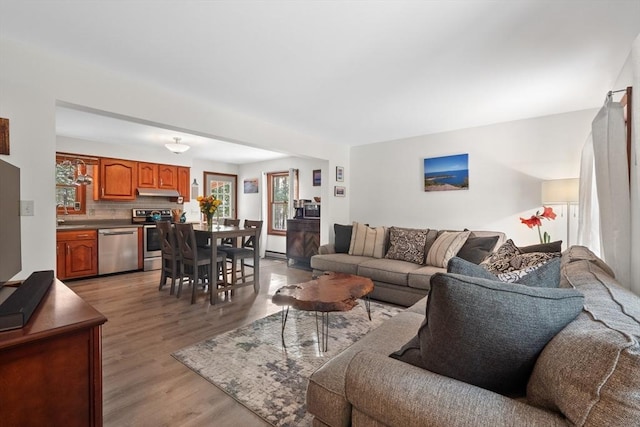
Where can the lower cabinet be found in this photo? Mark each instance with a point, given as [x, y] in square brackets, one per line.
[77, 254]
[303, 239]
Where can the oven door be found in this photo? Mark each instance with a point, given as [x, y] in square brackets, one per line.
[152, 248]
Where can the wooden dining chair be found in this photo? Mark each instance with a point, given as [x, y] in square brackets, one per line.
[242, 253]
[195, 258]
[171, 255]
[229, 242]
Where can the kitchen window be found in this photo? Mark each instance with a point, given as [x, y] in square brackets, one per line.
[70, 197]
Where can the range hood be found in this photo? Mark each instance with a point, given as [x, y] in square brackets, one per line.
[157, 192]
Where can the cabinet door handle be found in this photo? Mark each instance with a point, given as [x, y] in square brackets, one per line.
[102, 191]
[68, 250]
[81, 235]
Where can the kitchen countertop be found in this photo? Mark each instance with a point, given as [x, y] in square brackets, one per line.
[96, 224]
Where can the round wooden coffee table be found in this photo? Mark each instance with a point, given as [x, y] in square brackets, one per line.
[329, 292]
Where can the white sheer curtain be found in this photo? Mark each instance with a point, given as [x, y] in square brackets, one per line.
[612, 188]
[293, 191]
[589, 219]
[264, 205]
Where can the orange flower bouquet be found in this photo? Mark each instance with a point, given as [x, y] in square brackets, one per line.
[209, 206]
[536, 221]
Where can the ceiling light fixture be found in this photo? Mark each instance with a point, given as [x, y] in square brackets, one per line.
[176, 147]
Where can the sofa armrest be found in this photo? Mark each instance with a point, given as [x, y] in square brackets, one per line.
[329, 248]
[398, 394]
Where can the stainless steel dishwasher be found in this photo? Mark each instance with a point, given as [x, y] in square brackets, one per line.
[117, 250]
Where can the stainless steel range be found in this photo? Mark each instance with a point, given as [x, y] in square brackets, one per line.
[152, 249]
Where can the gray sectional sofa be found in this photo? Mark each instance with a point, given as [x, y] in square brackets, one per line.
[396, 281]
[588, 374]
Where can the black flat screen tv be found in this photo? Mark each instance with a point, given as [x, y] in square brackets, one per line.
[10, 249]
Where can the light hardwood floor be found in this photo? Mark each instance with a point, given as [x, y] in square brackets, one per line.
[142, 384]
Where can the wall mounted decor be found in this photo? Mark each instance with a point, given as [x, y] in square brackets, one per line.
[4, 136]
[339, 173]
[317, 177]
[250, 185]
[446, 173]
[339, 191]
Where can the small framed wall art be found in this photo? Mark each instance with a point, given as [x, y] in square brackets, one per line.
[317, 177]
[339, 191]
[251, 186]
[339, 173]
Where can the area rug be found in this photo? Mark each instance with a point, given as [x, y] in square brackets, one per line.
[251, 365]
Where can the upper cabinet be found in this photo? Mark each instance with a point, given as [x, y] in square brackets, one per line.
[168, 177]
[147, 175]
[118, 179]
[152, 175]
[184, 183]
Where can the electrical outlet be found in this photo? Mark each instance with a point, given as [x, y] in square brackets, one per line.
[26, 208]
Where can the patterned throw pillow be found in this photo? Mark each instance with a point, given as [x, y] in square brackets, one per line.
[446, 247]
[509, 264]
[367, 241]
[407, 244]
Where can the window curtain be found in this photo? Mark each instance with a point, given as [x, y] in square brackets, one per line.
[612, 188]
[264, 205]
[589, 219]
[293, 191]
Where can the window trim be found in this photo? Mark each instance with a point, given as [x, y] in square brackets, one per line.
[270, 176]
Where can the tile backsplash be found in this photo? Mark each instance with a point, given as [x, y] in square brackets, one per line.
[109, 210]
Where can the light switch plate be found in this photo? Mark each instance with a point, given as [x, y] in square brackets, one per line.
[26, 208]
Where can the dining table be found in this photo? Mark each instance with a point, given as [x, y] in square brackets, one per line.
[216, 232]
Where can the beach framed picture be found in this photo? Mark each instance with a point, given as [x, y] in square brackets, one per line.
[317, 177]
[339, 173]
[446, 173]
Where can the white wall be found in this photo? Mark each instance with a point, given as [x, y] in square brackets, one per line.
[32, 81]
[507, 163]
[250, 204]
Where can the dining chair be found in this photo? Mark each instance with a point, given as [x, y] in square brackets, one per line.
[229, 242]
[242, 253]
[171, 255]
[196, 258]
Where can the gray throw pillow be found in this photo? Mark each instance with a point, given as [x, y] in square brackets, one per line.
[490, 333]
[343, 238]
[542, 247]
[476, 249]
[545, 276]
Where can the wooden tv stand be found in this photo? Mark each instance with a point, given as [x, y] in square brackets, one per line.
[51, 369]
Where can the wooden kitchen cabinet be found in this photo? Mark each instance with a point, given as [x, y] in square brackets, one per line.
[77, 254]
[184, 183]
[168, 177]
[303, 239]
[118, 179]
[147, 175]
[51, 369]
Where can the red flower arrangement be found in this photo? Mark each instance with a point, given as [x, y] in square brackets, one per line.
[536, 221]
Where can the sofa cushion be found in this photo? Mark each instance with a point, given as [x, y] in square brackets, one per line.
[476, 249]
[488, 333]
[367, 241]
[341, 263]
[508, 259]
[342, 238]
[591, 370]
[407, 244]
[421, 278]
[545, 276]
[446, 247]
[326, 391]
[542, 247]
[387, 270]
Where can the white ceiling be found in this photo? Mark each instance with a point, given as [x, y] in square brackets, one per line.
[351, 72]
